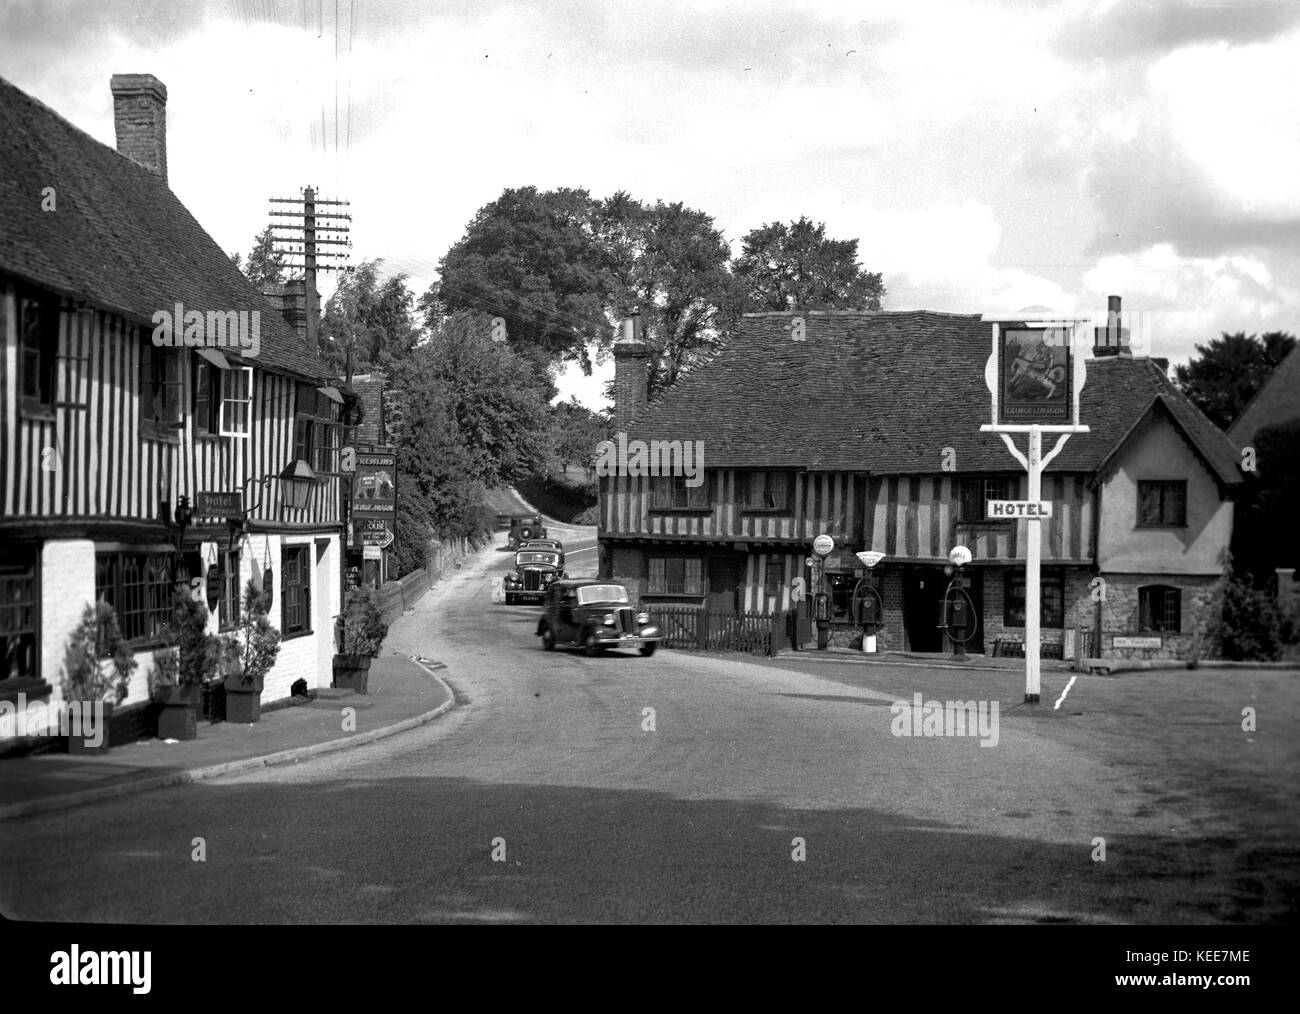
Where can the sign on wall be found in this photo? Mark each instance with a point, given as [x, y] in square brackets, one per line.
[217, 505]
[1035, 376]
[1135, 642]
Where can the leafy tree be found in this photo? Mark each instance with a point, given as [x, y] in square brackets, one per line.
[370, 316]
[670, 263]
[577, 432]
[265, 266]
[495, 397]
[1264, 534]
[1226, 373]
[783, 267]
[532, 259]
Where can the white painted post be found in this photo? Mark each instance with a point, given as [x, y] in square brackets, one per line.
[1033, 591]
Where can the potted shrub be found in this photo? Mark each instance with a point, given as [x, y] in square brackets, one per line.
[183, 667]
[363, 632]
[247, 657]
[98, 665]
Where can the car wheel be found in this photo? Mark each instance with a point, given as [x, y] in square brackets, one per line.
[591, 644]
[548, 639]
[648, 649]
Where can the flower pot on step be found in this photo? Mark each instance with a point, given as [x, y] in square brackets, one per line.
[84, 744]
[352, 672]
[243, 700]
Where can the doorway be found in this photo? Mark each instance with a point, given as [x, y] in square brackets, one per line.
[923, 589]
[726, 581]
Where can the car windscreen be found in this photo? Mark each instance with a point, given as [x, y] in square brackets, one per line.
[601, 593]
[548, 559]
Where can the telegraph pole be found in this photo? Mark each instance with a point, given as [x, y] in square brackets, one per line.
[301, 241]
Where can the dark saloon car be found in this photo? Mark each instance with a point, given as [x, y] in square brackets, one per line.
[524, 527]
[551, 545]
[534, 571]
[594, 615]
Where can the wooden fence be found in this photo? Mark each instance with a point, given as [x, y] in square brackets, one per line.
[715, 630]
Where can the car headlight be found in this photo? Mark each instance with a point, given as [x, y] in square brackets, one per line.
[609, 619]
[643, 618]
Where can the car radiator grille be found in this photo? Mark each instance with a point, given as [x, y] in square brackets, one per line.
[532, 580]
[627, 621]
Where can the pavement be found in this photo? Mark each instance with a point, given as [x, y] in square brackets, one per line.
[403, 693]
[931, 660]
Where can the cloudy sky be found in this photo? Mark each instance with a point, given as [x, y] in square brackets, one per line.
[987, 156]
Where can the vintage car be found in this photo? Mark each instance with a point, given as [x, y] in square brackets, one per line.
[535, 569]
[595, 615]
[553, 545]
[525, 527]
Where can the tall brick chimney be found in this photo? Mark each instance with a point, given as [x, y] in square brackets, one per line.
[1111, 340]
[140, 118]
[290, 298]
[631, 358]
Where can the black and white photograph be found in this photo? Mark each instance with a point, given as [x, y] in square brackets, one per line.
[651, 464]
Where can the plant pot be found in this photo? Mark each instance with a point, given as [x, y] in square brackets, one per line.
[178, 722]
[243, 704]
[352, 672]
[79, 745]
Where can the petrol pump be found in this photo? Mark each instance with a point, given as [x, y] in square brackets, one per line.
[957, 616]
[821, 603]
[868, 607]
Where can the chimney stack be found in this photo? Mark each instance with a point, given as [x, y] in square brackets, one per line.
[290, 298]
[631, 357]
[1111, 340]
[140, 118]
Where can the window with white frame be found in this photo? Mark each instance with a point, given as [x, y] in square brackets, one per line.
[236, 402]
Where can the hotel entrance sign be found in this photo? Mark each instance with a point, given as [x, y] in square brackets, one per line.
[1035, 373]
[1020, 509]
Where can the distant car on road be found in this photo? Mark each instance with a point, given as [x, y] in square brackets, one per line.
[524, 527]
[594, 615]
[535, 569]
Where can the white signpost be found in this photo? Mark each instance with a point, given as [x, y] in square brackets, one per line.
[1036, 375]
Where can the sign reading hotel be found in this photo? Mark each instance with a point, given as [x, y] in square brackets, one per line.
[374, 490]
[1035, 376]
[1006, 509]
[217, 505]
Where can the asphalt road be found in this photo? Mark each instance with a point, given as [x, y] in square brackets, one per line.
[766, 791]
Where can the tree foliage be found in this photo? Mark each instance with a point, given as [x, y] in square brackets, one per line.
[370, 316]
[797, 267]
[265, 266]
[668, 262]
[532, 259]
[577, 432]
[1226, 373]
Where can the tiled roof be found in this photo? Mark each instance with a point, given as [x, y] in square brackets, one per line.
[886, 393]
[119, 238]
[1277, 401]
[370, 389]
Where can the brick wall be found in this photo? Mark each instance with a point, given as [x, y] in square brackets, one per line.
[1120, 614]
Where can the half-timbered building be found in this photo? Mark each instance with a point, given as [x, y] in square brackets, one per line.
[866, 427]
[128, 465]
